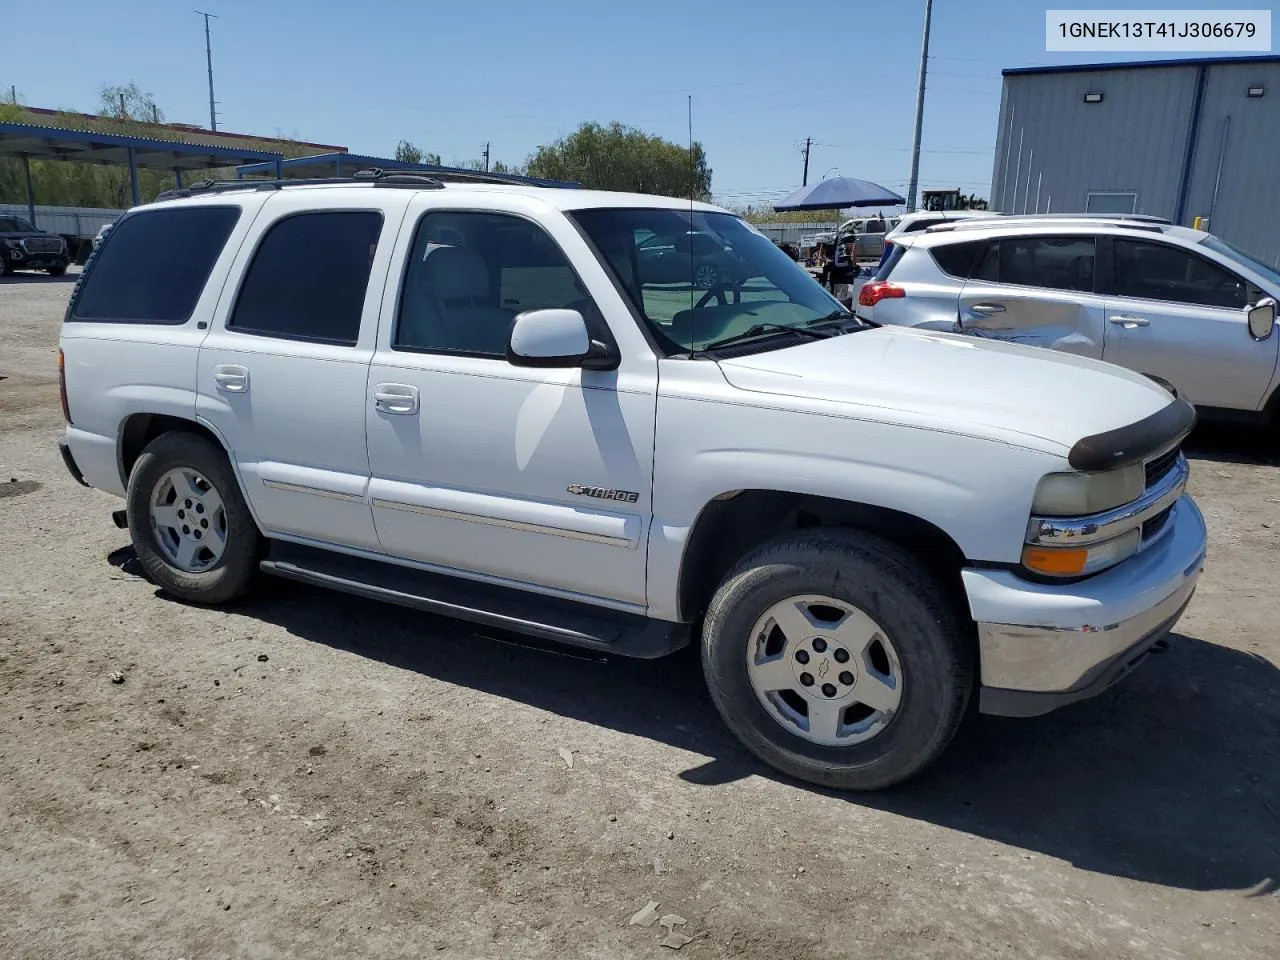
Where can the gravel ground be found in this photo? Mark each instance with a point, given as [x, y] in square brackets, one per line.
[314, 775]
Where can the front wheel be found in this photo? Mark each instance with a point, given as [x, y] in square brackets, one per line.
[836, 658]
[189, 522]
[56, 271]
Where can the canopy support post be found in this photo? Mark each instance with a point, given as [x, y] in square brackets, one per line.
[133, 176]
[31, 196]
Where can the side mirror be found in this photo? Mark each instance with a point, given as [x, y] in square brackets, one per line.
[557, 338]
[1262, 318]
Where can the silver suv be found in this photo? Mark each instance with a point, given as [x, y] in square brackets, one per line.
[1179, 305]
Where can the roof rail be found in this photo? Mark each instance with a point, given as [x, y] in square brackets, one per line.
[1150, 224]
[433, 180]
[1140, 217]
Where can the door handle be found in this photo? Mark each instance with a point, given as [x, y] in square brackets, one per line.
[231, 378]
[1130, 322]
[986, 309]
[398, 398]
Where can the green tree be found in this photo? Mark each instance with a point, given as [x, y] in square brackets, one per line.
[127, 103]
[617, 157]
[408, 152]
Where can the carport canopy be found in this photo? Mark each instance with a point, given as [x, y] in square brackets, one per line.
[83, 146]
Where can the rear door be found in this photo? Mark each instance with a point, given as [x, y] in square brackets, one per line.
[1180, 317]
[282, 372]
[1038, 290]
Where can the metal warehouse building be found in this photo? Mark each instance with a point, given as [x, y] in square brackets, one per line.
[1171, 138]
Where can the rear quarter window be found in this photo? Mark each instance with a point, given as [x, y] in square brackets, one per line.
[152, 266]
[895, 253]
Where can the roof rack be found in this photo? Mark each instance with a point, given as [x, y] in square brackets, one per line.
[1129, 221]
[374, 176]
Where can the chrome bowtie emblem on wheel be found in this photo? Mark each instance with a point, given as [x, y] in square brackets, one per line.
[822, 670]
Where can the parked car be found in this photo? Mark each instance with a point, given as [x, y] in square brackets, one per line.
[922, 220]
[24, 246]
[492, 414]
[867, 234]
[666, 259]
[100, 236]
[1176, 304]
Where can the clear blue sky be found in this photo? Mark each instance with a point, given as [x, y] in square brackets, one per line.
[449, 76]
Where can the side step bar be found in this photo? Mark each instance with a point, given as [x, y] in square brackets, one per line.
[547, 618]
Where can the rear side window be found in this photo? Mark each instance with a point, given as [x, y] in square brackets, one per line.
[1054, 263]
[154, 266]
[308, 277]
[959, 259]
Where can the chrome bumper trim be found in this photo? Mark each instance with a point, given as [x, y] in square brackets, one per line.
[1083, 531]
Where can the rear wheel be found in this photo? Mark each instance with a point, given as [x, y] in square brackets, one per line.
[189, 522]
[836, 658]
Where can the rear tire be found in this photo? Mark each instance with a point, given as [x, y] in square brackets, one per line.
[918, 663]
[190, 525]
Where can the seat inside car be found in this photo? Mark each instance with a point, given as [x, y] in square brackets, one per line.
[447, 305]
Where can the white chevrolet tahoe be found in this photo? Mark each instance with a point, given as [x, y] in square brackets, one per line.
[469, 397]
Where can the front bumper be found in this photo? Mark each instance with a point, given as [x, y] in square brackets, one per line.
[1043, 646]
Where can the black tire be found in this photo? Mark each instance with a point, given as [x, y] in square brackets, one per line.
[895, 590]
[56, 271]
[6, 267]
[233, 574]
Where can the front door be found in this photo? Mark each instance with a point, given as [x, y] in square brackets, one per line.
[1036, 290]
[283, 370]
[535, 477]
[1180, 317]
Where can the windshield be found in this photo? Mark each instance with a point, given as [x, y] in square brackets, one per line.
[15, 225]
[1248, 259]
[699, 279]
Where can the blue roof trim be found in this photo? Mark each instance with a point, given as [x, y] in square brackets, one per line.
[1139, 64]
[229, 155]
[351, 162]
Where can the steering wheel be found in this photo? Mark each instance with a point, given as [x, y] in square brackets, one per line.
[718, 291]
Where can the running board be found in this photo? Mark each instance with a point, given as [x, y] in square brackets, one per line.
[547, 618]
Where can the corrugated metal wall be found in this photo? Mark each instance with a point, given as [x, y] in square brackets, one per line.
[1248, 208]
[1053, 144]
[72, 221]
[1053, 149]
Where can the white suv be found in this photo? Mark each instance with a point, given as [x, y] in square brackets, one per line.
[463, 397]
[1177, 304]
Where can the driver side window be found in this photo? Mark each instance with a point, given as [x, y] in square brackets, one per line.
[1156, 271]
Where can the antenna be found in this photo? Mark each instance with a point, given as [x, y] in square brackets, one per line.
[208, 55]
[693, 336]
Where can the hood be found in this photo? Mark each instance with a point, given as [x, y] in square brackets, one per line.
[29, 235]
[956, 383]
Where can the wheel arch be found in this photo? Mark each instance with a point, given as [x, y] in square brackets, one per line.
[734, 523]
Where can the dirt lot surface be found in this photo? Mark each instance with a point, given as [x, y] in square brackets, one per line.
[313, 775]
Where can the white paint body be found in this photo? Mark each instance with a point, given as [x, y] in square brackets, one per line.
[463, 464]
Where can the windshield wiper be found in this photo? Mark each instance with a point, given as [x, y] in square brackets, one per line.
[760, 329]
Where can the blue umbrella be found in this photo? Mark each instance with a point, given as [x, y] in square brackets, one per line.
[838, 193]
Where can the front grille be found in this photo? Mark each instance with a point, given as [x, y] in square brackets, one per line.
[1153, 525]
[42, 245]
[1161, 465]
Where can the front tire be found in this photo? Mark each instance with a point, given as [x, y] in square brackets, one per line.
[836, 658]
[56, 271]
[190, 525]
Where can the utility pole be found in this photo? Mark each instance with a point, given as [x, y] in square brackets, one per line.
[13, 94]
[915, 142]
[208, 55]
[486, 156]
[808, 142]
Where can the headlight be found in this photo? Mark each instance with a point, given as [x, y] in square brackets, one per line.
[1080, 494]
[1081, 561]
[15, 244]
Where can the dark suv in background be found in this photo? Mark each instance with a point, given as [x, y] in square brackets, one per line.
[24, 247]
